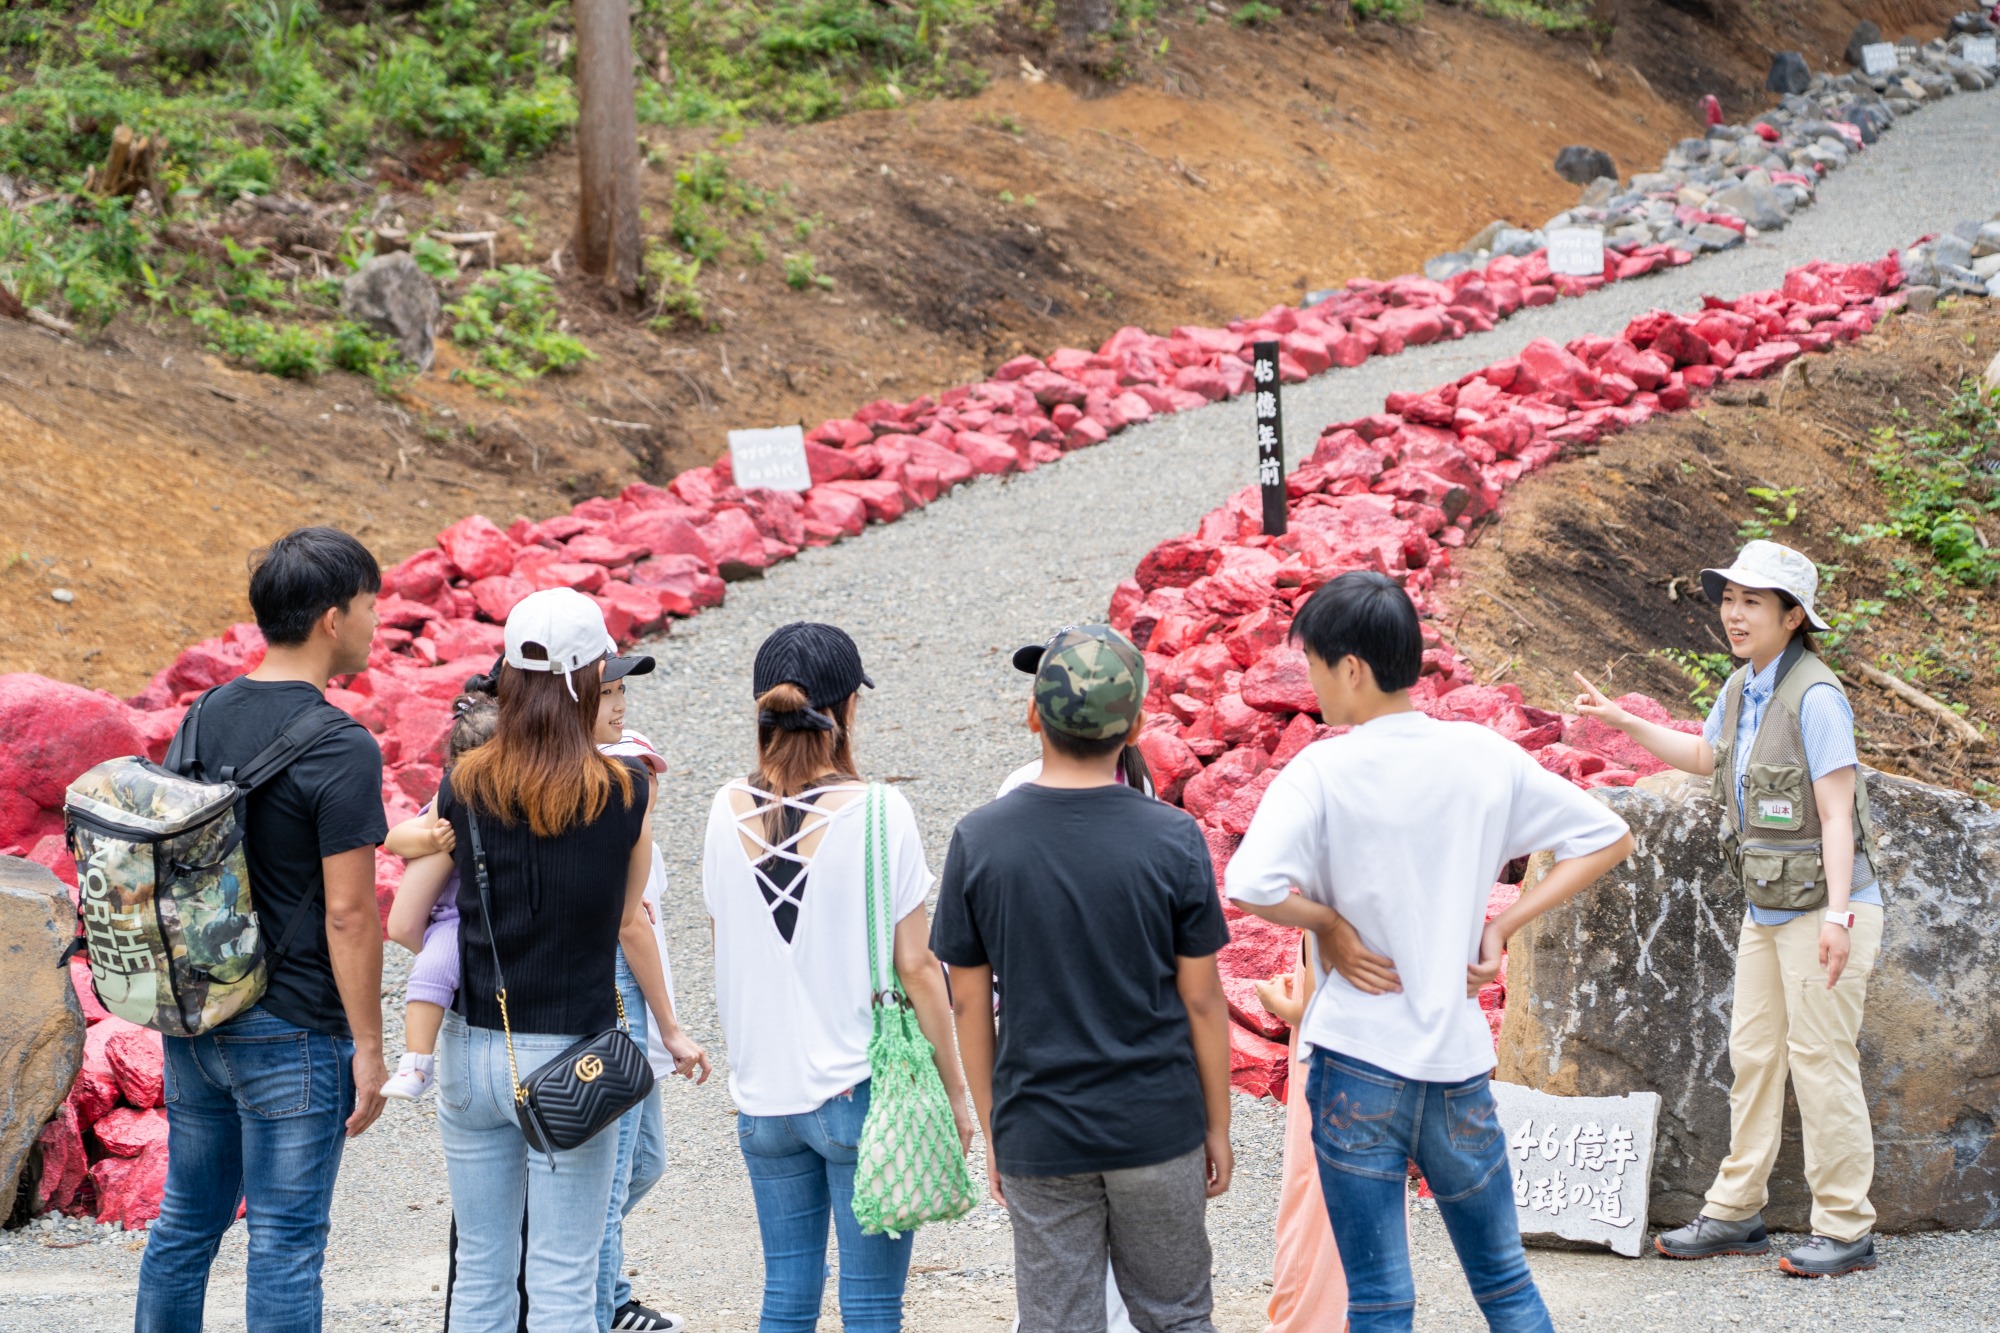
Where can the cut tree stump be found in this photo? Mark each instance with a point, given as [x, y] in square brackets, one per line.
[132, 165]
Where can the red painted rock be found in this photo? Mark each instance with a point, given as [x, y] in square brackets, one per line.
[837, 513]
[129, 1188]
[96, 1088]
[126, 1131]
[597, 549]
[570, 574]
[1169, 760]
[735, 547]
[1258, 949]
[86, 992]
[1300, 732]
[691, 578]
[885, 501]
[1209, 788]
[1257, 635]
[208, 663]
[1548, 368]
[1238, 806]
[986, 452]
[421, 578]
[1620, 750]
[456, 640]
[497, 596]
[65, 1163]
[1178, 562]
[1258, 1067]
[477, 547]
[662, 532]
[49, 733]
[643, 609]
[1281, 683]
[1570, 764]
[137, 1062]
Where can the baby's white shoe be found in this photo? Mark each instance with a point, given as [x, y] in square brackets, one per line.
[412, 1078]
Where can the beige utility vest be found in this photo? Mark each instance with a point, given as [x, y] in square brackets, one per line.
[1771, 840]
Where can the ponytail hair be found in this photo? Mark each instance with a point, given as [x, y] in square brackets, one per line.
[798, 744]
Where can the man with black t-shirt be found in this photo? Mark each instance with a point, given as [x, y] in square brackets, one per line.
[1106, 1097]
[258, 1109]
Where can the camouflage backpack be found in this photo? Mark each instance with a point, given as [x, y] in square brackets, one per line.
[164, 909]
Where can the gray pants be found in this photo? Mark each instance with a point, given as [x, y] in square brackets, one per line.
[1151, 1220]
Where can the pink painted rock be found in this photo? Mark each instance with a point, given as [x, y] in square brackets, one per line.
[129, 1189]
[500, 594]
[642, 608]
[478, 547]
[838, 513]
[137, 1063]
[734, 545]
[1258, 949]
[49, 733]
[126, 1131]
[663, 532]
[65, 1162]
[95, 1090]
[208, 663]
[456, 640]
[569, 574]
[597, 549]
[1247, 1011]
[1257, 1066]
[885, 501]
[421, 578]
[1206, 790]
[1281, 683]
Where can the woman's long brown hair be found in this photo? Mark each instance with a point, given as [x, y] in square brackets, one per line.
[542, 764]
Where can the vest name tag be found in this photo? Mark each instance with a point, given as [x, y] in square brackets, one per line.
[1776, 811]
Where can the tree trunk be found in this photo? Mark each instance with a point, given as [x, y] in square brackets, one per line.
[607, 141]
[1077, 20]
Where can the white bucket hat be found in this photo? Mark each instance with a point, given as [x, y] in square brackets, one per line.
[567, 626]
[1766, 565]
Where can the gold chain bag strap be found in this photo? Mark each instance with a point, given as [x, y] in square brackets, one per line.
[573, 1097]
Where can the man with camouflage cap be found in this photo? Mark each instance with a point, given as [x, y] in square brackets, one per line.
[1092, 909]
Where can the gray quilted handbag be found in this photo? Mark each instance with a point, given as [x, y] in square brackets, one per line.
[573, 1097]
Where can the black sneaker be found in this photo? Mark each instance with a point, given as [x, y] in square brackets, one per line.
[1710, 1238]
[634, 1315]
[1823, 1256]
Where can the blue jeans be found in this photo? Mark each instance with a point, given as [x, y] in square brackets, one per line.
[1368, 1124]
[494, 1176]
[256, 1110]
[642, 1160]
[801, 1169]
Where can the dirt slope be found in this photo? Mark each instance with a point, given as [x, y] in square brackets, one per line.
[1238, 168]
[1595, 564]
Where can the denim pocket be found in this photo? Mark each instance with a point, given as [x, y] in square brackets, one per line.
[1471, 1118]
[170, 1084]
[1356, 1109]
[270, 1076]
[841, 1118]
[454, 1069]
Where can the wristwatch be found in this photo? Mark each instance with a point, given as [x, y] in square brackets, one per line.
[1841, 919]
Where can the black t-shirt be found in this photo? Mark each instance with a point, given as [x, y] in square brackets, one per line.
[1082, 901]
[558, 903]
[327, 802]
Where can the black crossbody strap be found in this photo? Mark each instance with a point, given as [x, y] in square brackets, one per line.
[485, 884]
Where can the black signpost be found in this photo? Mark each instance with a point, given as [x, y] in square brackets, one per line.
[1270, 436]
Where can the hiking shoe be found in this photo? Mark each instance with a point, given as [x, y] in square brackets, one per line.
[1823, 1256]
[1710, 1238]
[634, 1315]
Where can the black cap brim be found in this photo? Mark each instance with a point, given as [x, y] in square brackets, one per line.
[1028, 659]
[617, 668]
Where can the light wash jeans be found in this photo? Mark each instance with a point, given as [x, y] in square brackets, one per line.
[256, 1109]
[801, 1171]
[642, 1160]
[493, 1174]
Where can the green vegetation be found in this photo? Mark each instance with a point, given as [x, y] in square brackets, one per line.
[676, 297]
[802, 272]
[1256, 12]
[509, 318]
[1706, 672]
[1775, 509]
[1548, 15]
[1941, 481]
[1389, 11]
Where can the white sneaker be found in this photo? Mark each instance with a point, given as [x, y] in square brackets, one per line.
[412, 1078]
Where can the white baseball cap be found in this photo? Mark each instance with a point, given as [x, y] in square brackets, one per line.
[565, 625]
[1765, 565]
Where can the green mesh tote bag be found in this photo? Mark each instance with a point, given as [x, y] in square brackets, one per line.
[910, 1169]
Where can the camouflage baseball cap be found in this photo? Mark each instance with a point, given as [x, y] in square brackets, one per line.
[1090, 683]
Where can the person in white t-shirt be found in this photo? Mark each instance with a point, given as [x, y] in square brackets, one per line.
[784, 877]
[1392, 836]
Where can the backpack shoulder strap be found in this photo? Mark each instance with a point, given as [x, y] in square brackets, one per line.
[313, 724]
[182, 755]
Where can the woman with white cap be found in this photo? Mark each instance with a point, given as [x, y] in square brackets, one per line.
[558, 840]
[785, 873]
[1796, 835]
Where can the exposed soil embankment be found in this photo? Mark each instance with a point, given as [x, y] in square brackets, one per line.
[1238, 167]
[1594, 564]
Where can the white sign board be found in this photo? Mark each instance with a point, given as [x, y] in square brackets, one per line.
[1583, 1166]
[1982, 51]
[1878, 58]
[1577, 251]
[773, 459]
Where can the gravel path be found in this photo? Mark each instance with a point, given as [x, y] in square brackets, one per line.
[937, 602]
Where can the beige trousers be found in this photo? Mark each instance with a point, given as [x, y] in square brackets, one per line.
[1786, 1020]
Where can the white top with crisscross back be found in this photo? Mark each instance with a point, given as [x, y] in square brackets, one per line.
[795, 1014]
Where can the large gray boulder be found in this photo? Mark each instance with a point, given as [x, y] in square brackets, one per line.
[394, 297]
[1789, 73]
[1866, 33]
[1580, 165]
[41, 1025]
[1754, 199]
[1627, 988]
